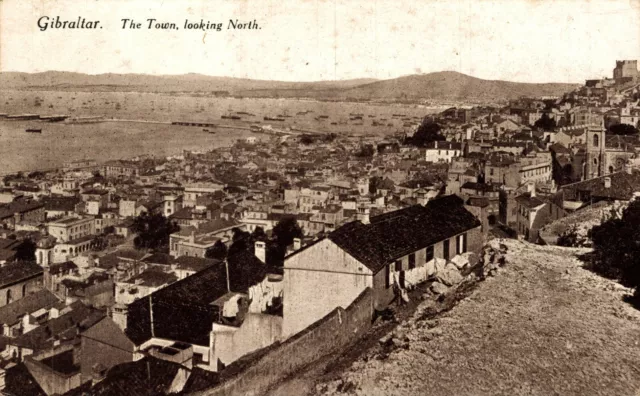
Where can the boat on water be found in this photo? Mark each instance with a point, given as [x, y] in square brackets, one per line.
[33, 130]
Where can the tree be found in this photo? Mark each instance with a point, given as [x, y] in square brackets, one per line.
[616, 246]
[258, 234]
[427, 132]
[218, 251]
[286, 230]
[545, 123]
[153, 231]
[241, 240]
[623, 129]
[99, 243]
[26, 251]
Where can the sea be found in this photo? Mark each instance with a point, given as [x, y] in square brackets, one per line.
[61, 142]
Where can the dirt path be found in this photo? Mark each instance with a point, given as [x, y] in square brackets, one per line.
[542, 326]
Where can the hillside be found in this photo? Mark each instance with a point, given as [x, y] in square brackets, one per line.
[68, 81]
[454, 86]
[542, 325]
[434, 86]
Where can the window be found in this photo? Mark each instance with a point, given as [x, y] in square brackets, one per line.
[24, 290]
[445, 249]
[398, 265]
[387, 276]
[412, 261]
[429, 253]
[596, 140]
[9, 298]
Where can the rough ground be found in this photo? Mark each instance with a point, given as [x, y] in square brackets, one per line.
[542, 325]
[583, 220]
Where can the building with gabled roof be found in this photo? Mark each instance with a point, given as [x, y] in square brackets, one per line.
[374, 253]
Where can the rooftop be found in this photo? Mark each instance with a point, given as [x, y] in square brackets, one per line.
[19, 270]
[395, 234]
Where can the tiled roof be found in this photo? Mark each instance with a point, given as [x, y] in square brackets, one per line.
[195, 263]
[396, 234]
[623, 185]
[146, 377]
[20, 206]
[9, 244]
[153, 278]
[530, 202]
[62, 267]
[19, 381]
[183, 311]
[19, 270]
[11, 313]
[64, 326]
[60, 204]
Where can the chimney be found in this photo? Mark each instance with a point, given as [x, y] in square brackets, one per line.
[260, 251]
[607, 182]
[297, 244]
[365, 216]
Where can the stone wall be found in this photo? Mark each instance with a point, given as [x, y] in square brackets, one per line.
[326, 336]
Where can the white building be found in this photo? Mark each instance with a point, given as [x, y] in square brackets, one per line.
[442, 151]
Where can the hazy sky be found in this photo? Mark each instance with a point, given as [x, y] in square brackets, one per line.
[305, 40]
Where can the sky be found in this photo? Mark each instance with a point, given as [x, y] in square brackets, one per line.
[312, 40]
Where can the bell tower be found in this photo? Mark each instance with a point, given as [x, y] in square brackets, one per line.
[595, 158]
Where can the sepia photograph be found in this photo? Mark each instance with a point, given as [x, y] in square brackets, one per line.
[319, 197]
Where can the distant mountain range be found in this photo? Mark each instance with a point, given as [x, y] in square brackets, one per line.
[445, 86]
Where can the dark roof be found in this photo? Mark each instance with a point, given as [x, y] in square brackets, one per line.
[395, 234]
[146, 377]
[153, 278]
[11, 313]
[64, 327]
[55, 269]
[195, 263]
[19, 381]
[20, 206]
[480, 187]
[17, 271]
[183, 311]
[481, 202]
[60, 204]
[184, 213]
[200, 380]
[159, 258]
[530, 202]
[9, 244]
[623, 185]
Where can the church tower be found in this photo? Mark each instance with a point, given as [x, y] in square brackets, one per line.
[595, 158]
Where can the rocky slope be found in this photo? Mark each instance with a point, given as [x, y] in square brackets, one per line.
[542, 325]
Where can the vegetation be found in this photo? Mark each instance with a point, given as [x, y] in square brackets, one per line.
[427, 133]
[569, 238]
[545, 123]
[218, 251]
[26, 251]
[616, 247]
[153, 231]
[623, 129]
